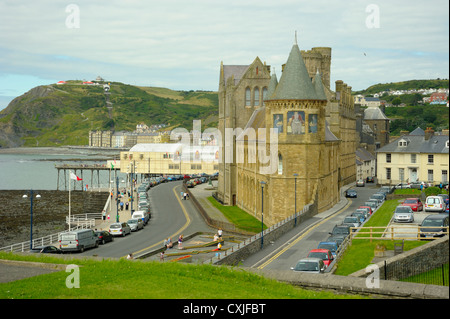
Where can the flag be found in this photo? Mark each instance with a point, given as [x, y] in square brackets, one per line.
[75, 177]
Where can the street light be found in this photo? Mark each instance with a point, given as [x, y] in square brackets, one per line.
[295, 200]
[262, 213]
[31, 214]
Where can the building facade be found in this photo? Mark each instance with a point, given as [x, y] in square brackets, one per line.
[313, 154]
[418, 156]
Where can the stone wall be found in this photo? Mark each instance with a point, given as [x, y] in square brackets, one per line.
[49, 212]
[405, 264]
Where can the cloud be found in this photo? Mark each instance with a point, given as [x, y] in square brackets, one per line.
[179, 44]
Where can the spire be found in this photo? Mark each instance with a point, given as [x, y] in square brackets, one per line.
[295, 83]
[295, 42]
[318, 86]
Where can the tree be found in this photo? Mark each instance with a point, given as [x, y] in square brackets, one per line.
[396, 101]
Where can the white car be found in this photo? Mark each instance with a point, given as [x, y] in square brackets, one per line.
[403, 214]
[311, 265]
[119, 229]
[135, 224]
[434, 204]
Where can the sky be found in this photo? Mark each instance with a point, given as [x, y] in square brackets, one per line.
[179, 44]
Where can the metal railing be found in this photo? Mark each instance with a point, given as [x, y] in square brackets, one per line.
[398, 232]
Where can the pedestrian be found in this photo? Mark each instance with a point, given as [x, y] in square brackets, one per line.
[108, 217]
[121, 205]
[130, 256]
[161, 256]
[180, 242]
[103, 214]
[126, 206]
[219, 232]
[184, 194]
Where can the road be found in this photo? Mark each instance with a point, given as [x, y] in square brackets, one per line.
[296, 244]
[171, 217]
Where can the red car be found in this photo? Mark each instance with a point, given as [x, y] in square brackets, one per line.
[368, 208]
[415, 204]
[323, 254]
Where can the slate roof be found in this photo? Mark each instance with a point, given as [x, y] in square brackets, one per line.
[237, 70]
[295, 83]
[436, 144]
[374, 113]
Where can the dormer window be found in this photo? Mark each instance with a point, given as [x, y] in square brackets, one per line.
[403, 142]
[446, 144]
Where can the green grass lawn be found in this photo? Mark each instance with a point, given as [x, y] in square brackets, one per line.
[239, 217]
[360, 254]
[124, 279]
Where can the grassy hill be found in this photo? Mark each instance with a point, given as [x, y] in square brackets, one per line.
[405, 85]
[54, 115]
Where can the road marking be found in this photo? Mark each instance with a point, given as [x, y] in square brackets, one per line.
[314, 226]
[188, 221]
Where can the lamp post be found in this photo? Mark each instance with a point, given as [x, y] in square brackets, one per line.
[295, 199]
[31, 215]
[262, 213]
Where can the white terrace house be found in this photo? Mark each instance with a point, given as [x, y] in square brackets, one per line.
[418, 156]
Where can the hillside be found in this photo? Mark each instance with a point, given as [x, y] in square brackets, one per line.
[54, 115]
[405, 85]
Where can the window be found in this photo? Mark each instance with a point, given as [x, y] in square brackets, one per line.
[248, 97]
[280, 164]
[256, 98]
[401, 173]
[444, 176]
[430, 159]
[430, 175]
[413, 158]
[388, 158]
[388, 173]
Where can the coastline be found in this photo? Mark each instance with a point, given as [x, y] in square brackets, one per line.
[62, 150]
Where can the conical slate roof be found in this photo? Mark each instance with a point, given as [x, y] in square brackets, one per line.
[295, 83]
[318, 86]
[272, 85]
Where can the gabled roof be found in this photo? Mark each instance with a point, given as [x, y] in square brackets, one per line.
[418, 144]
[234, 70]
[295, 83]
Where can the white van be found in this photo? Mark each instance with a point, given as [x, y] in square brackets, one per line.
[142, 215]
[77, 240]
[434, 204]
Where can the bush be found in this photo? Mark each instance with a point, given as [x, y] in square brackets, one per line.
[432, 191]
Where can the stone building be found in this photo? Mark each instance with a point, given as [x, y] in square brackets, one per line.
[315, 136]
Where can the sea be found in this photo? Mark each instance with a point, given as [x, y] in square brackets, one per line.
[37, 171]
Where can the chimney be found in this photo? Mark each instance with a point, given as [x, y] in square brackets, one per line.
[429, 132]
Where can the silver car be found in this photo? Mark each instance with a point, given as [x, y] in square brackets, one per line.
[135, 224]
[119, 229]
[403, 214]
[353, 221]
[311, 265]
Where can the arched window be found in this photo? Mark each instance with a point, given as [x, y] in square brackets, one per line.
[256, 99]
[248, 97]
[280, 164]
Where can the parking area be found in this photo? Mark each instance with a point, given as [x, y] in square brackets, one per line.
[407, 230]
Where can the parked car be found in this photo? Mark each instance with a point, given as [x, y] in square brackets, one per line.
[142, 214]
[352, 221]
[361, 216]
[190, 184]
[331, 245]
[78, 240]
[386, 189]
[402, 185]
[341, 230]
[135, 224]
[103, 236]
[371, 204]
[370, 179]
[415, 185]
[403, 214]
[379, 197]
[368, 208]
[434, 204]
[360, 183]
[311, 265]
[435, 224]
[364, 211]
[415, 204]
[351, 193]
[375, 201]
[337, 239]
[324, 254]
[119, 229]
[46, 250]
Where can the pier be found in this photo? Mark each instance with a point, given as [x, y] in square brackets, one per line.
[80, 170]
